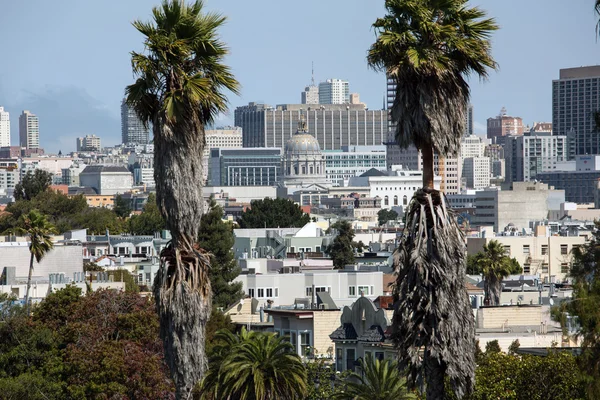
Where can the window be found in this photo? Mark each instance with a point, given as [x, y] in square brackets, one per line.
[350, 355]
[564, 249]
[318, 289]
[404, 200]
[351, 291]
[305, 344]
[545, 267]
[363, 290]
[564, 268]
[544, 249]
[379, 355]
[526, 268]
[269, 292]
[507, 250]
[276, 292]
[526, 249]
[395, 200]
[339, 358]
[386, 201]
[251, 292]
[261, 293]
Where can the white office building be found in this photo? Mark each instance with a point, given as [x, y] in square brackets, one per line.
[310, 95]
[350, 161]
[88, 143]
[227, 137]
[29, 130]
[476, 172]
[334, 91]
[4, 128]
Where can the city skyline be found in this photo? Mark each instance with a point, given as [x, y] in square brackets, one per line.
[63, 87]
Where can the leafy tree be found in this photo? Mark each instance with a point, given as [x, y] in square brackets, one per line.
[97, 220]
[90, 266]
[341, 250]
[378, 380]
[32, 184]
[149, 221]
[514, 347]
[122, 207]
[254, 366]
[273, 213]
[216, 237]
[428, 48]
[122, 275]
[495, 266]
[492, 347]
[179, 89]
[384, 215]
[475, 266]
[218, 322]
[37, 227]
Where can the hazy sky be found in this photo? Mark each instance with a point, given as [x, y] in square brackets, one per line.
[68, 61]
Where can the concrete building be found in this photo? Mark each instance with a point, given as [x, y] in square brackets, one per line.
[469, 116]
[341, 165]
[333, 125]
[503, 125]
[132, 128]
[525, 203]
[9, 177]
[89, 143]
[106, 179]
[227, 137]
[29, 130]
[334, 91]
[4, 128]
[579, 184]
[575, 97]
[70, 175]
[476, 172]
[244, 167]
[310, 95]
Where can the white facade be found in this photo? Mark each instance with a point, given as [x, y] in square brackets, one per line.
[341, 165]
[29, 130]
[472, 146]
[4, 128]
[476, 171]
[9, 177]
[88, 143]
[334, 91]
[228, 137]
[344, 287]
[534, 153]
[310, 95]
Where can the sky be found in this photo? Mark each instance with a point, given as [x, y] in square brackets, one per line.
[68, 61]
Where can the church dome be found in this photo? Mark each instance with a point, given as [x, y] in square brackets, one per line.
[302, 143]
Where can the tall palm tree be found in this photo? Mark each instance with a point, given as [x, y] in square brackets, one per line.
[36, 226]
[179, 90]
[495, 266]
[254, 366]
[429, 48]
[379, 380]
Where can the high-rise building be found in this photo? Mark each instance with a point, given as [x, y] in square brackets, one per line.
[503, 125]
[88, 143]
[132, 128]
[310, 95]
[469, 116]
[334, 91]
[333, 125]
[475, 167]
[29, 130]
[4, 128]
[575, 98]
[229, 137]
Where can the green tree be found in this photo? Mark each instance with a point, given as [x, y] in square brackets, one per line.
[216, 237]
[32, 184]
[179, 89]
[37, 227]
[384, 215]
[122, 207]
[149, 221]
[428, 48]
[254, 366]
[273, 213]
[97, 220]
[475, 266]
[492, 347]
[218, 322]
[514, 347]
[122, 275]
[378, 380]
[341, 250]
[495, 265]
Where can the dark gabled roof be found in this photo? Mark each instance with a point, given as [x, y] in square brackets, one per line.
[372, 335]
[74, 190]
[373, 172]
[344, 332]
[103, 168]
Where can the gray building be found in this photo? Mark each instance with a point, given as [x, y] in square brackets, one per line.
[244, 167]
[29, 130]
[579, 184]
[132, 129]
[575, 98]
[334, 125]
[106, 179]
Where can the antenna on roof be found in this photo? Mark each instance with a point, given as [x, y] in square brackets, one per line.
[312, 80]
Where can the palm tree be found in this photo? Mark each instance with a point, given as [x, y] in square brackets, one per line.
[36, 226]
[428, 48]
[179, 90]
[495, 266]
[254, 366]
[379, 380]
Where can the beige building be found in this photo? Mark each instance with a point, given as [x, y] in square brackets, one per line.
[227, 137]
[503, 125]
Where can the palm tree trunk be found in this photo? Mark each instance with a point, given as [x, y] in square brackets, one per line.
[436, 388]
[427, 152]
[28, 283]
[182, 287]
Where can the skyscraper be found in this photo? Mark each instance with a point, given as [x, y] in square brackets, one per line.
[132, 129]
[469, 116]
[334, 91]
[88, 143]
[311, 92]
[29, 130]
[575, 99]
[4, 128]
[503, 125]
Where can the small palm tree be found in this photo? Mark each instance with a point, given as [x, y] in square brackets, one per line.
[254, 366]
[379, 380]
[428, 48]
[179, 90]
[495, 266]
[36, 226]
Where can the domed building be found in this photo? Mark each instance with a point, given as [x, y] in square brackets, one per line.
[303, 161]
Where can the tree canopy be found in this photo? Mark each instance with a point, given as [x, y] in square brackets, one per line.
[149, 221]
[384, 215]
[273, 213]
[32, 184]
[341, 250]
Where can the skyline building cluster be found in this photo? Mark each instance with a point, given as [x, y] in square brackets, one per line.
[133, 130]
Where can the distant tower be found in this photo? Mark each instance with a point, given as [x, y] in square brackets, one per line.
[4, 128]
[132, 129]
[29, 130]
[310, 95]
[334, 91]
[469, 117]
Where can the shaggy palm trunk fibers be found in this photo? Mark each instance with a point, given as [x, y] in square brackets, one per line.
[434, 329]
